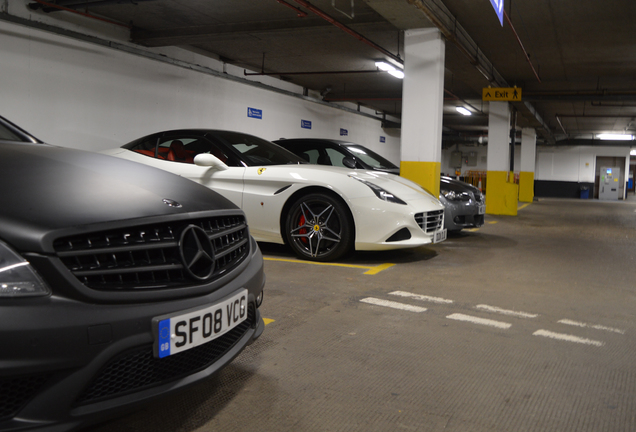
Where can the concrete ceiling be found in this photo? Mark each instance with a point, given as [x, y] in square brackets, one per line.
[575, 60]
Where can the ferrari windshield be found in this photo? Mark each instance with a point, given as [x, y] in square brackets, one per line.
[234, 149]
[254, 151]
[369, 157]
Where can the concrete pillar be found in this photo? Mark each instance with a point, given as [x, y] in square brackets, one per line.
[528, 162]
[422, 108]
[502, 194]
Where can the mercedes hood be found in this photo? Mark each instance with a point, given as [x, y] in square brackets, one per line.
[46, 189]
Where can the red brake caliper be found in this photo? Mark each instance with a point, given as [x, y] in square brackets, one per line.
[302, 230]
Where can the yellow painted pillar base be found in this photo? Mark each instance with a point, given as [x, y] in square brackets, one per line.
[502, 197]
[425, 174]
[526, 186]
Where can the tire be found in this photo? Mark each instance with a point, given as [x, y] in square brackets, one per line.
[319, 228]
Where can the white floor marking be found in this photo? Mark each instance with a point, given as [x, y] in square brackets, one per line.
[566, 337]
[482, 321]
[391, 304]
[506, 312]
[597, 327]
[420, 297]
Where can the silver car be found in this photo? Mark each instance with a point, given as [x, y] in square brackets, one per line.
[464, 204]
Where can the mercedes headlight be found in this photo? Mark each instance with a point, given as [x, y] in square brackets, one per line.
[455, 196]
[381, 193]
[17, 277]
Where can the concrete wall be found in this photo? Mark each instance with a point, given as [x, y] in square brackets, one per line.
[576, 163]
[79, 94]
[482, 152]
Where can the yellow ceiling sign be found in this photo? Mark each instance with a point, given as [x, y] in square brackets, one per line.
[511, 94]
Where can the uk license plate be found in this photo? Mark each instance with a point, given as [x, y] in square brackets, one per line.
[174, 334]
[440, 236]
[482, 209]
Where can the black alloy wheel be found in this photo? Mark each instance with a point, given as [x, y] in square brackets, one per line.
[319, 228]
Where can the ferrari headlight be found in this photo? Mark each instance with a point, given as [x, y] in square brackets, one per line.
[381, 193]
[17, 277]
[455, 196]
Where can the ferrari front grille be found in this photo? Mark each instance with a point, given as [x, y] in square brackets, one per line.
[430, 221]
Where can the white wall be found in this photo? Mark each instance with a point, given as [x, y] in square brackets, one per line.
[78, 94]
[482, 155]
[575, 163]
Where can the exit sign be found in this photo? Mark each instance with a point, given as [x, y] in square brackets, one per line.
[510, 94]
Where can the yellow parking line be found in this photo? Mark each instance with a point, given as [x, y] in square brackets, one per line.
[523, 206]
[371, 270]
[268, 321]
[378, 269]
[492, 222]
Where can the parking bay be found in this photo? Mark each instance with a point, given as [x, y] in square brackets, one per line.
[525, 324]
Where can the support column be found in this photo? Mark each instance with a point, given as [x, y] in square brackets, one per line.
[528, 162]
[502, 194]
[422, 108]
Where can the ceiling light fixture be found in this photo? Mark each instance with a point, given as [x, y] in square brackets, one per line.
[396, 73]
[395, 70]
[383, 66]
[463, 111]
[615, 137]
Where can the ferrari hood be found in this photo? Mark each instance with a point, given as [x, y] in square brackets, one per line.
[46, 188]
[401, 187]
[404, 188]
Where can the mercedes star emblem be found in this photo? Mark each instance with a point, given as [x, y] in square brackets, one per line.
[172, 203]
[197, 253]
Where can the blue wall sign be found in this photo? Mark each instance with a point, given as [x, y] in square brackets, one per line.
[305, 124]
[255, 113]
[382, 139]
[498, 5]
[344, 132]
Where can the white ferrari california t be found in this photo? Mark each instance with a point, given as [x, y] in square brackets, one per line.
[321, 212]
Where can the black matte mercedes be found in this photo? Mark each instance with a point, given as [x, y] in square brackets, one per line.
[118, 283]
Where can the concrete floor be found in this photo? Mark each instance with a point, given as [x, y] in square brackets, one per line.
[558, 356]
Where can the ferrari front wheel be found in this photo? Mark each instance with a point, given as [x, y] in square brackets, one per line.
[319, 228]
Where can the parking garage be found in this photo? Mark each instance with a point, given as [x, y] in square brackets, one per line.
[523, 323]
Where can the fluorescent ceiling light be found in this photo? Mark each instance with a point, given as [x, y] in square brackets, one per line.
[386, 67]
[463, 111]
[632, 152]
[615, 137]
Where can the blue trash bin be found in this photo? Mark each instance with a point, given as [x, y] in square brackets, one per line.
[585, 192]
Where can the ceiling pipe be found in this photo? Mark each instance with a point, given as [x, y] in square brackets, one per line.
[595, 116]
[348, 30]
[362, 99]
[582, 96]
[38, 3]
[558, 119]
[525, 53]
[310, 73]
[301, 14]
[84, 3]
